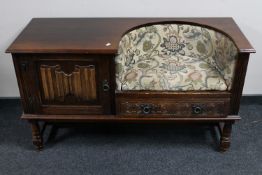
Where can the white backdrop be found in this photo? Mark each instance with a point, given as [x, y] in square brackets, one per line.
[15, 14]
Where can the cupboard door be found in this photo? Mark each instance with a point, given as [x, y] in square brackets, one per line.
[74, 86]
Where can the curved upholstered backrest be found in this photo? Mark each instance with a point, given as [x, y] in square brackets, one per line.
[176, 57]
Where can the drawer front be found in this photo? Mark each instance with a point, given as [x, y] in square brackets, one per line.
[173, 108]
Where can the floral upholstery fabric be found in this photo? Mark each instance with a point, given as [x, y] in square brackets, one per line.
[175, 57]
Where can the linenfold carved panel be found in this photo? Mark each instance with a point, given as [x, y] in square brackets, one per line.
[58, 85]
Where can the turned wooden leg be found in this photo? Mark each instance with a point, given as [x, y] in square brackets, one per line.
[36, 135]
[225, 137]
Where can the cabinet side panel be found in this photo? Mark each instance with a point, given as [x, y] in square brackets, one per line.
[238, 82]
[19, 81]
[27, 82]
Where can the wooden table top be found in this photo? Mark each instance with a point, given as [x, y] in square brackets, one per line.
[92, 35]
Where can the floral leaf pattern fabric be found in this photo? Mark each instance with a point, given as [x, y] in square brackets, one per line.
[175, 57]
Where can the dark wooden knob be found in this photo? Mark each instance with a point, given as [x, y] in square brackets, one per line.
[146, 109]
[197, 110]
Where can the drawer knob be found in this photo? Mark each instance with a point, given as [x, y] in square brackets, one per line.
[197, 109]
[146, 109]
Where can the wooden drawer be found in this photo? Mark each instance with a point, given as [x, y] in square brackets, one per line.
[170, 107]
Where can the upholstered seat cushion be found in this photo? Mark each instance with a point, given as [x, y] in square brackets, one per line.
[175, 57]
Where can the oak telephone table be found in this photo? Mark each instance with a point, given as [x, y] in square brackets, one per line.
[131, 70]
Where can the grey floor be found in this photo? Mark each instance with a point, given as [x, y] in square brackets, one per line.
[130, 148]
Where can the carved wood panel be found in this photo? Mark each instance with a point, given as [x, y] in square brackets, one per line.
[79, 85]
